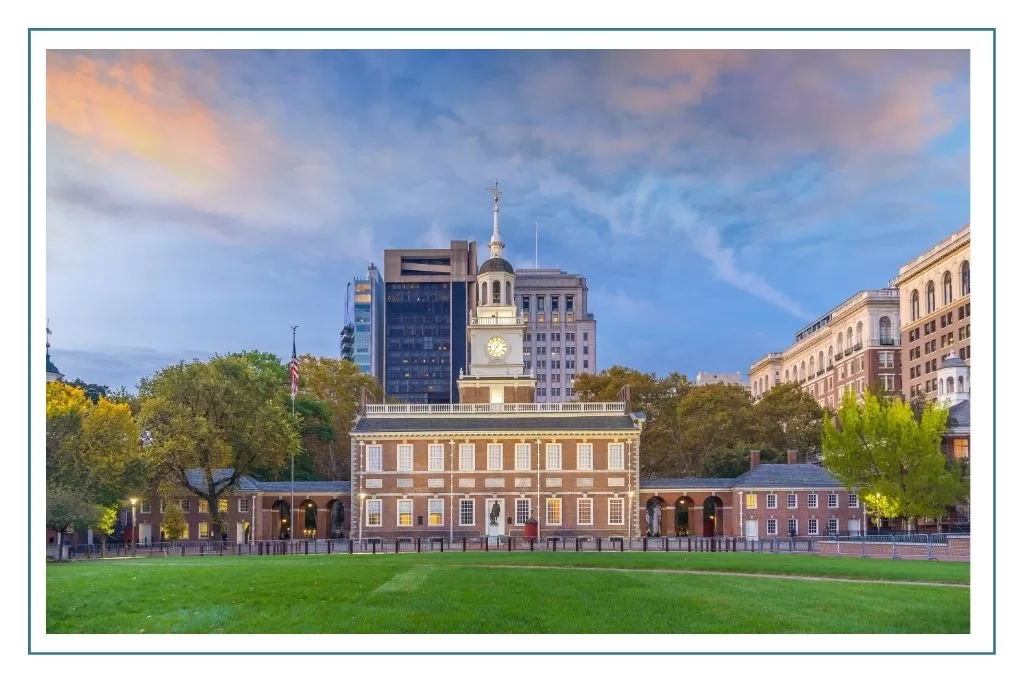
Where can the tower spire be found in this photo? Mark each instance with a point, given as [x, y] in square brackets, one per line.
[496, 245]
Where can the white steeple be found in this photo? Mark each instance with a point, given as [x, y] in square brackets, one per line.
[954, 380]
[496, 245]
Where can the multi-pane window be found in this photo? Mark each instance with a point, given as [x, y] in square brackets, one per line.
[833, 500]
[791, 501]
[554, 509]
[751, 501]
[773, 527]
[405, 513]
[405, 457]
[186, 505]
[522, 456]
[467, 456]
[435, 457]
[374, 458]
[833, 527]
[522, 511]
[243, 504]
[145, 507]
[584, 511]
[204, 529]
[373, 508]
[885, 359]
[584, 456]
[494, 456]
[773, 501]
[435, 512]
[222, 505]
[792, 528]
[553, 461]
[204, 506]
[616, 507]
[467, 512]
[616, 456]
[812, 500]
[812, 527]
[163, 506]
[853, 501]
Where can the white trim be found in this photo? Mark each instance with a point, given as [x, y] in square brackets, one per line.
[585, 463]
[379, 505]
[529, 511]
[552, 451]
[430, 503]
[467, 451]
[768, 527]
[771, 501]
[435, 457]
[579, 507]
[746, 501]
[621, 504]
[374, 458]
[404, 460]
[398, 512]
[796, 501]
[795, 523]
[829, 501]
[522, 450]
[619, 452]
[495, 450]
[817, 529]
[815, 506]
[472, 502]
[547, 511]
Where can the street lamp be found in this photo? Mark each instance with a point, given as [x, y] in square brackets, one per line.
[133, 501]
[629, 520]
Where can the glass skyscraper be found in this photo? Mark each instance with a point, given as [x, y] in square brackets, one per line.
[368, 319]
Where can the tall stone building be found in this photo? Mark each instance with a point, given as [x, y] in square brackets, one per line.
[935, 296]
[497, 461]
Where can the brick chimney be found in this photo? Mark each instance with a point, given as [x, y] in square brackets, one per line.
[790, 457]
[755, 459]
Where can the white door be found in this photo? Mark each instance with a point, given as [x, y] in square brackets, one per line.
[240, 532]
[853, 528]
[494, 517]
[750, 529]
[145, 533]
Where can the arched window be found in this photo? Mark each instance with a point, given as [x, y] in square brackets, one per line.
[803, 371]
[860, 333]
[810, 366]
[849, 337]
[483, 292]
[508, 293]
[965, 278]
[947, 289]
[949, 385]
[787, 375]
[885, 329]
[495, 292]
[915, 305]
[929, 300]
[960, 384]
[821, 361]
[830, 355]
[794, 372]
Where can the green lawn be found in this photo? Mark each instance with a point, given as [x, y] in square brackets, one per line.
[452, 593]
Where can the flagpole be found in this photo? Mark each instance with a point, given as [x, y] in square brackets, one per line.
[294, 369]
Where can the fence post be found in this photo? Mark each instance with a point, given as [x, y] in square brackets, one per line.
[350, 548]
[863, 546]
[487, 544]
[463, 544]
[930, 547]
[554, 545]
[645, 543]
[598, 544]
[666, 543]
[622, 543]
[532, 539]
[894, 547]
[689, 542]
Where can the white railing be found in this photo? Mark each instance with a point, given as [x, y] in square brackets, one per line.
[517, 320]
[478, 408]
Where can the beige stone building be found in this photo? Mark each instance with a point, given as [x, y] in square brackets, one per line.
[935, 295]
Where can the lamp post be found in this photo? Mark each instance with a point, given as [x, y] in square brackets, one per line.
[629, 519]
[133, 501]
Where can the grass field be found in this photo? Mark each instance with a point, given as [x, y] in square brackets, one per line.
[499, 593]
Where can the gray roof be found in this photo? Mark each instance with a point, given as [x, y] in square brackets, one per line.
[197, 479]
[50, 367]
[960, 415]
[953, 361]
[305, 486]
[495, 265]
[686, 484]
[798, 475]
[472, 423]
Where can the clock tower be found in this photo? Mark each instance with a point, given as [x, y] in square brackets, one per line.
[496, 372]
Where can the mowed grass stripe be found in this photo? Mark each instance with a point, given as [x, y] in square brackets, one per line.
[448, 594]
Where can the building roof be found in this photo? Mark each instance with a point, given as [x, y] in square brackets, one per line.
[50, 367]
[782, 475]
[305, 486]
[687, 484]
[197, 479]
[953, 361]
[472, 423]
[496, 265]
[960, 415]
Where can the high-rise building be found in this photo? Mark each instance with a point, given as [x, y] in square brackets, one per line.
[935, 296]
[368, 318]
[428, 294]
[706, 378]
[853, 347]
[561, 334]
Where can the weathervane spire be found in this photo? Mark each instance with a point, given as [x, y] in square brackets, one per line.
[496, 244]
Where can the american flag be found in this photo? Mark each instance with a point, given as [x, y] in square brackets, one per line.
[295, 370]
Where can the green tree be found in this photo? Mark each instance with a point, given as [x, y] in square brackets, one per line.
[895, 460]
[714, 418]
[67, 509]
[93, 391]
[225, 417]
[789, 419]
[732, 462]
[174, 522]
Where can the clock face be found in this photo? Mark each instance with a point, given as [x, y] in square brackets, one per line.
[497, 347]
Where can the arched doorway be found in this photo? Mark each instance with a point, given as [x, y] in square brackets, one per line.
[309, 510]
[283, 520]
[713, 516]
[336, 515]
[654, 508]
[682, 515]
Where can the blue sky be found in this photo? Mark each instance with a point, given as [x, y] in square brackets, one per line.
[202, 202]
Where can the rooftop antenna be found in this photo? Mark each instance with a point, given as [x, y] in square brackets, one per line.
[536, 246]
[496, 244]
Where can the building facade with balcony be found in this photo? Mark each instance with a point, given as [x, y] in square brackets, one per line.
[765, 373]
[851, 348]
[935, 296]
[368, 320]
[561, 333]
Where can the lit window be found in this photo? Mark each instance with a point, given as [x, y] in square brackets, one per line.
[222, 505]
[204, 530]
[405, 513]
[812, 500]
[373, 509]
[204, 506]
[773, 501]
[522, 511]
[435, 457]
[584, 511]
[374, 457]
[554, 508]
[554, 457]
[522, 456]
[467, 456]
[791, 501]
[435, 512]
[812, 527]
[405, 457]
[960, 448]
[145, 507]
[751, 501]
[773, 527]
[494, 456]
[616, 456]
[467, 512]
[615, 511]
[584, 456]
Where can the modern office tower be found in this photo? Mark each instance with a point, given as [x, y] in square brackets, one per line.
[368, 318]
[428, 294]
[935, 299]
[561, 335]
